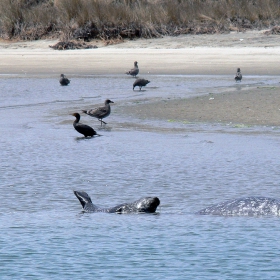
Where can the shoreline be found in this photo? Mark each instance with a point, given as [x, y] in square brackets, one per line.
[254, 52]
[251, 107]
[193, 61]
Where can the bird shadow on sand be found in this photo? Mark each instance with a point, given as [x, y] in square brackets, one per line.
[138, 93]
[104, 128]
[87, 138]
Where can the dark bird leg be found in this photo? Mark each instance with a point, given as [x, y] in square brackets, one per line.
[102, 121]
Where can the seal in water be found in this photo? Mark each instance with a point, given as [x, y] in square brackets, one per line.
[247, 206]
[143, 205]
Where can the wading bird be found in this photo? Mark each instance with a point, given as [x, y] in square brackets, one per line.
[100, 112]
[63, 80]
[238, 75]
[134, 71]
[83, 128]
[140, 83]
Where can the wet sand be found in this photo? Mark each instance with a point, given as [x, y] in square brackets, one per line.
[260, 106]
[254, 52]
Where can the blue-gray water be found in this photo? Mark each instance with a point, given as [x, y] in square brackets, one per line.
[43, 159]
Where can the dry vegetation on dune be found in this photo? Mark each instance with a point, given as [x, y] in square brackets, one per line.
[117, 19]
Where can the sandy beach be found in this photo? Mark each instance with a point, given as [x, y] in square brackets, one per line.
[254, 52]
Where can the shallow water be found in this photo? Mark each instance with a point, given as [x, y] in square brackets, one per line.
[45, 236]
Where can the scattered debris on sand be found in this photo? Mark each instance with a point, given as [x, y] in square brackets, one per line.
[71, 45]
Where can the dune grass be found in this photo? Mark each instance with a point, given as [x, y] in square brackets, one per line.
[118, 19]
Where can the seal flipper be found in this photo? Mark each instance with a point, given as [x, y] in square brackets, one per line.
[86, 202]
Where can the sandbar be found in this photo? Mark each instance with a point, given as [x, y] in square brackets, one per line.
[220, 54]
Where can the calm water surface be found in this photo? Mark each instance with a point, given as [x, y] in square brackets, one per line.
[44, 235]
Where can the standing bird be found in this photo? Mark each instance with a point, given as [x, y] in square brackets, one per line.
[100, 112]
[83, 128]
[238, 75]
[134, 71]
[63, 80]
[140, 83]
